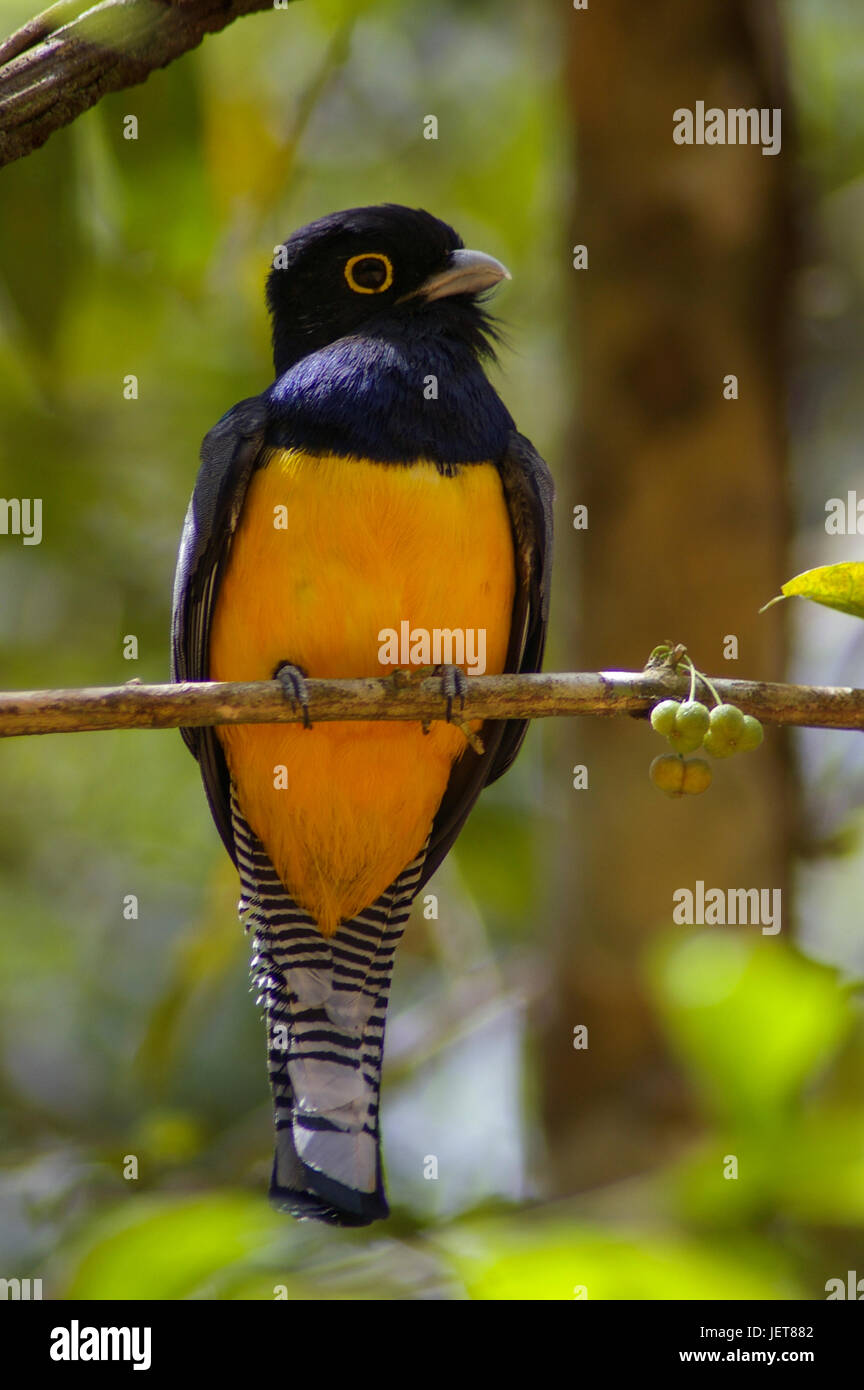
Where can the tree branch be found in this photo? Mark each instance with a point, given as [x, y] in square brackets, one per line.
[63, 61]
[136, 706]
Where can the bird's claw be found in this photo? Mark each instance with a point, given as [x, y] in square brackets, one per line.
[454, 686]
[294, 688]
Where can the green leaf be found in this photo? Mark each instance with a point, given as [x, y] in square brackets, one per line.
[754, 1020]
[824, 1179]
[160, 1248]
[548, 1261]
[835, 586]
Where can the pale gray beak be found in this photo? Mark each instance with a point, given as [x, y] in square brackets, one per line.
[466, 272]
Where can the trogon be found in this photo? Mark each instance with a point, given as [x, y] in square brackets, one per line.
[379, 481]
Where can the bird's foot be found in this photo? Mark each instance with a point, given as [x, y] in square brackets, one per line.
[294, 688]
[454, 686]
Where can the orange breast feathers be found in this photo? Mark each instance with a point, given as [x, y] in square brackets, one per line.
[331, 559]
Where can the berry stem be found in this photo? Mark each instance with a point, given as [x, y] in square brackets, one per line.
[702, 677]
[692, 694]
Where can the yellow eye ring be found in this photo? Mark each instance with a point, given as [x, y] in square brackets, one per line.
[369, 256]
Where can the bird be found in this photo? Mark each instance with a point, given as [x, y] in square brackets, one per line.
[379, 480]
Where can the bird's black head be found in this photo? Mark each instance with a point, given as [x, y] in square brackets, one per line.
[367, 267]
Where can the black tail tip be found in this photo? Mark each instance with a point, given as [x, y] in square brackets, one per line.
[323, 1199]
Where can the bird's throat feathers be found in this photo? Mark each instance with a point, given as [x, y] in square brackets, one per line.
[393, 397]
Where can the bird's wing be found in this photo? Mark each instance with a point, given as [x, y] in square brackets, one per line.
[529, 491]
[229, 455]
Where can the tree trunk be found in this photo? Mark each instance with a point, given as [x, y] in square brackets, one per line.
[688, 264]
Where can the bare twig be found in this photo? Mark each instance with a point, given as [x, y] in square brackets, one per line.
[60, 63]
[136, 706]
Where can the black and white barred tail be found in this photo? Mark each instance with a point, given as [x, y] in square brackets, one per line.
[325, 1004]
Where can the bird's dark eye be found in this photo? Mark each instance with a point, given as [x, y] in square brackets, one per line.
[370, 273]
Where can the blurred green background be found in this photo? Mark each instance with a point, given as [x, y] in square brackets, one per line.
[139, 1037]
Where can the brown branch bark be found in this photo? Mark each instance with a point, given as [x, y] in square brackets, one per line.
[63, 61]
[137, 706]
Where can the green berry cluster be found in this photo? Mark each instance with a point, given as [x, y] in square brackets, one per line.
[688, 725]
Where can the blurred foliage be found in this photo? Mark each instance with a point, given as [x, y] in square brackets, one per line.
[139, 1036]
[689, 1232]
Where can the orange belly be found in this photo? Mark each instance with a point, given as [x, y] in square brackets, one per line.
[328, 555]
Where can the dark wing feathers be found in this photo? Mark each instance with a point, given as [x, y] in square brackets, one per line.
[229, 455]
[530, 492]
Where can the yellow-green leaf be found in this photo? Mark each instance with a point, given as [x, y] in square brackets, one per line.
[837, 586]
